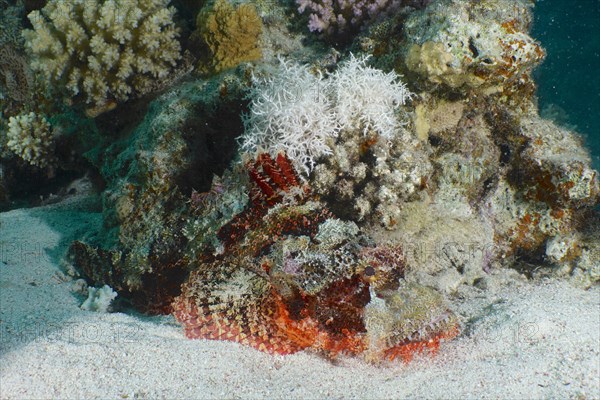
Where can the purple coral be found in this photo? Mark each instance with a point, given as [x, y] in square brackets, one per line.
[339, 16]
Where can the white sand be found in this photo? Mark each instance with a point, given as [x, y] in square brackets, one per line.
[534, 340]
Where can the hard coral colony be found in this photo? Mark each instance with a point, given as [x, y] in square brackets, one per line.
[102, 52]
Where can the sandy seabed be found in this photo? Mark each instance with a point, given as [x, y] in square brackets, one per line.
[538, 339]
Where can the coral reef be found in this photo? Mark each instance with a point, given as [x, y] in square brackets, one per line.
[498, 193]
[347, 216]
[106, 51]
[547, 198]
[551, 180]
[230, 33]
[151, 174]
[31, 138]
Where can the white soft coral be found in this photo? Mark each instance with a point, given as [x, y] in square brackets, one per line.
[290, 111]
[367, 98]
[298, 112]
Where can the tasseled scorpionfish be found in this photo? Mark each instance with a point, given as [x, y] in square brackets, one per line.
[290, 276]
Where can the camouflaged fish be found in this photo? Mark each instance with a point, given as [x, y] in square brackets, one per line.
[291, 276]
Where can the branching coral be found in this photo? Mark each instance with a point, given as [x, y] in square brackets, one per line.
[367, 178]
[30, 137]
[231, 34]
[338, 16]
[370, 172]
[103, 51]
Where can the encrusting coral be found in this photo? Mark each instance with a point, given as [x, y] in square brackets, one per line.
[10, 22]
[106, 51]
[493, 51]
[230, 33]
[16, 79]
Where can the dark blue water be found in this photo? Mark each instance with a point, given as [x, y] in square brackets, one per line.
[569, 78]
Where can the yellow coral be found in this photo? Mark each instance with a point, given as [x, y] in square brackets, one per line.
[436, 118]
[433, 61]
[231, 34]
[106, 50]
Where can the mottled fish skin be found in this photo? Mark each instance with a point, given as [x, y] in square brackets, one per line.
[408, 320]
[294, 277]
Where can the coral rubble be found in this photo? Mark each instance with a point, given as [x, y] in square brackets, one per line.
[99, 299]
